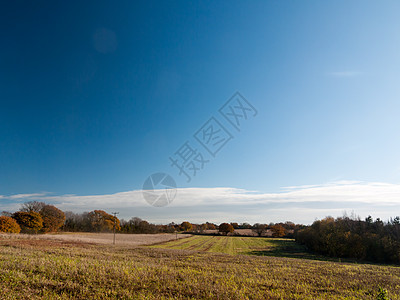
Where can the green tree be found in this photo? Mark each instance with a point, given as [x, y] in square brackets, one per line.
[9, 225]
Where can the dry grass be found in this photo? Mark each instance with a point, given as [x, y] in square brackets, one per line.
[101, 238]
[56, 269]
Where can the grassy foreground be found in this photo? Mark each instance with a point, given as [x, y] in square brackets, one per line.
[32, 269]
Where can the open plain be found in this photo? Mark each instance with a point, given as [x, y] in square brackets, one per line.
[35, 267]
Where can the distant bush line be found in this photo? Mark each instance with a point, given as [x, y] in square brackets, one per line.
[39, 217]
[344, 237]
[351, 237]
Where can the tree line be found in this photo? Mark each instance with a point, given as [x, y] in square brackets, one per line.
[33, 217]
[347, 237]
[351, 237]
[39, 217]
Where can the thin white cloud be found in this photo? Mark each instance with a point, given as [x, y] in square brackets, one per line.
[25, 196]
[342, 191]
[300, 203]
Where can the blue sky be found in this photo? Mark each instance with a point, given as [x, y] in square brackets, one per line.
[96, 96]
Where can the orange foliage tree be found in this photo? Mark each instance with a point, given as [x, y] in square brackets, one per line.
[9, 225]
[278, 230]
[53, 218]
[30, 222]
[102, 221]
[186, 226]
[226, 228]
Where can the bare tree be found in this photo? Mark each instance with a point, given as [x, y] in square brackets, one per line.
[259, 229]
[30, 206]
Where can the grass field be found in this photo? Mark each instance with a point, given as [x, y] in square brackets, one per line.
[235, 245]
[101, 238]
[53, 269]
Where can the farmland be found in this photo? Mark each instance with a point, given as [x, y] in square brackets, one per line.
[38, 268]
[236, 245]
[102, 238]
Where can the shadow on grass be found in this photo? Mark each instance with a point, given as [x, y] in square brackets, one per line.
[282, 248]
[291, 249]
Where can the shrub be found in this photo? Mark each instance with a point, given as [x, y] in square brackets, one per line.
[9, 225]
[30, 222]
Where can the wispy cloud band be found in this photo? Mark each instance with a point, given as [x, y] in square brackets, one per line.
[301, 203]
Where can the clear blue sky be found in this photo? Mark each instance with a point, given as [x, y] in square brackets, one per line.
[96, 96]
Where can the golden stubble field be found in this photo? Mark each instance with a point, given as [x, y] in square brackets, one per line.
[101, 238]
[41, 268]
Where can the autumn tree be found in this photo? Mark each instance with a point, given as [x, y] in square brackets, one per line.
[186, 226]
[278, 230]
[53, 218]
[30, 222]
[9, 225]
[211, 226]
[102, 221]
[226, 228]
[235, 225]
